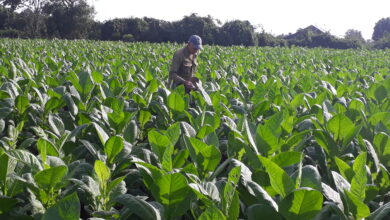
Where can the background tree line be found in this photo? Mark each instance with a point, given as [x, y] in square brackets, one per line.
[74, 19]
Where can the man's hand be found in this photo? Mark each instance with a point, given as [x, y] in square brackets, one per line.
[189, 85]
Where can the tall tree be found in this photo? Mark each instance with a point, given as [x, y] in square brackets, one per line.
[352, 34]
[70, 19]
[157, 31]
[381, 29]
[116, 29]
[32, 23]
[34, 5]
[113, 29]
[136, 27]
[205, 27]
[33, 17]
[13, 4]
[237, 33]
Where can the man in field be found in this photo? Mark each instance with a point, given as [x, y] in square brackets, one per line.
[184, 64]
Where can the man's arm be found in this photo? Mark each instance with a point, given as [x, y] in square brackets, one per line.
[175, 66]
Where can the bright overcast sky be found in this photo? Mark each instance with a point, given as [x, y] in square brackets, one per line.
[275, 16]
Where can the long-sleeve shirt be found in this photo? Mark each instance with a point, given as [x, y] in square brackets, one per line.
[183, 66]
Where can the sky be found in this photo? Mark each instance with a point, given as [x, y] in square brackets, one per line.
[274, 16]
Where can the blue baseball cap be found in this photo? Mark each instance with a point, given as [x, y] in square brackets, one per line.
[196, 41]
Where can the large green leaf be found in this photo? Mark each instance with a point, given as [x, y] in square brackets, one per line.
[251, 141]
[4, 164]
[382, 143]
[103, 136]
[45, 147]
[324, 139]
[119, 119]
[261, 195]
[141, 208]
[357, 206]
[149, 174]
[340, 182]
[167, 158]
[173, 133]
[230, 201]
[113, 147]
[381, 93]
[53, 104]
[207, 157]
[382, 146]
[173, 193]
[49, 178]
[68, 208]
[267, 135]
[302, 204]
[380, 117]
[359, 181]
[341, 127]
[131, 132]
[204, 131]
[159, 143]
[26, 158]
[212, 213]
[205, 95]
[372, 154]
[143, 117]
[234, 175]
[208, 119]
[70, 103]
[332, 196]
[22, 103]
[187, 129]
[202, 194]
[298, 100]
[75, 132]
[280, 180]
[115, 184]
[311, 178]
[86, 84]
[262, 211]
[180, 158]
[139, 100]
[345, 170]
[381, 213]
[284, 159]
[6, 107]
[234, 208]
[102, 171]
[176, 102]
[56, 125]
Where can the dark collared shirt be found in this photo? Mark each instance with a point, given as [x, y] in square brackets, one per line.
[183, 66]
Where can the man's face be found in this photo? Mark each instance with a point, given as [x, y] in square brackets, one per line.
[192, 49]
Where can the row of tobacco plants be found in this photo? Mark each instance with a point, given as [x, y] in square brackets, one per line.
[90, 130]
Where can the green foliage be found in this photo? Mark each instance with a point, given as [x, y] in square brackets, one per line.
[301, 204]
[279, 179]
[67, 208]
[173, 190]
[265, 39]
[381, 29]
[141, 208]
[382, 43]
[212, 213]
[113, 147]
[237, 33]
[90, 130]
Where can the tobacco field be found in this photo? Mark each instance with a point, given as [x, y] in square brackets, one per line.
[90, 130]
